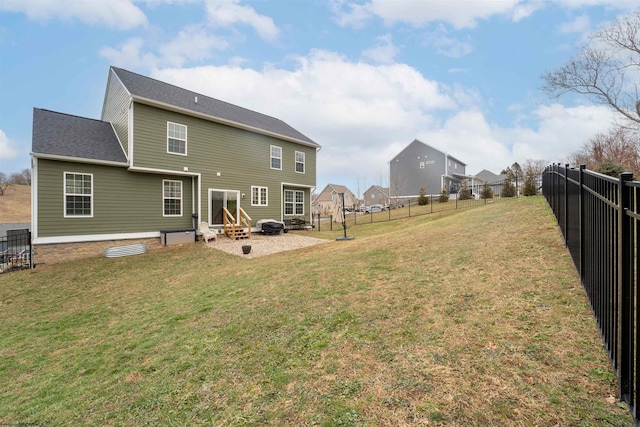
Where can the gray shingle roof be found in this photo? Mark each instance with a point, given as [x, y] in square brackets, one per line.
[489, 177]
[62, 134]
[155, 90]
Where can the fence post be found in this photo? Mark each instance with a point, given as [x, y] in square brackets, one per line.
[626, 293]
[409, 208]
[330, 222]
[581, 219]
[566, 204]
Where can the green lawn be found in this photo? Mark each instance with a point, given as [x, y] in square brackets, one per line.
[464, 318]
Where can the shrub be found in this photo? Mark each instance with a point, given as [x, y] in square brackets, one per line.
[487, 192]
[444, 196]
[465, 191]
[529, 188]
[422, 198]
[508, 189]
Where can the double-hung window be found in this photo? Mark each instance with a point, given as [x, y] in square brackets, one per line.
[299, 162]
[276, 157]
[176, 138]
[78, 195]
[172, 197]
[259, 196]
[293, 202]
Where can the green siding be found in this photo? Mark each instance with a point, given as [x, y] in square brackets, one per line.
[241, 157]
[116, 110]
[124, 202]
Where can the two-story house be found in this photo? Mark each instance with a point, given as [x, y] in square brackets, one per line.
[419, 165]
[161, 157]
[329, 200]
[376, 195]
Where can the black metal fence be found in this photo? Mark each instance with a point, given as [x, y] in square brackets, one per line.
[410, 207]
[599, 218]
[15, 251]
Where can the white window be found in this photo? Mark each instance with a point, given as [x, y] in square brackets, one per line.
[78, 195]
[259, 196]
[176, 138]
[455, 166]
[293, 202]
[299, 162]
[276, 157]
[172, 197]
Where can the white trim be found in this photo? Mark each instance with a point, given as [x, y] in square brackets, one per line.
[164, 197]
[34, 198]
[192, 113]
[304, 162]
[64, 195]
[178, 139]
[130, 130]
[209, 218]
[78, 160]
[162, 171]
[94, 237]
[271, 157]
[294, 202]
[260, 196]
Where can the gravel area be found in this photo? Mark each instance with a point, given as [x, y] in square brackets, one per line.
[264, 245]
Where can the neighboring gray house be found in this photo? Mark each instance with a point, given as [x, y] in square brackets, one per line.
[420, 165]
[161, 158]
[376, 195]
[488, 177]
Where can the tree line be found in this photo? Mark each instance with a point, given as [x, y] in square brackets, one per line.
[16, 178]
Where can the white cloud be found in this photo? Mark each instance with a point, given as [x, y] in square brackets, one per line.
[417, 13]
[356, 16]
[130, 55]
[445, 45]
[364, 114]
[227, 13]
[7, 152]
[580, 24]
[120, 14]
[384, 52]
[192, 44]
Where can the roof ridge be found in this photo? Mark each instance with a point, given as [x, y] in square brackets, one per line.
[70, 115]
[196, 93]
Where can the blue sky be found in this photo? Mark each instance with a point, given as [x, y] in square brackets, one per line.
[363, 79]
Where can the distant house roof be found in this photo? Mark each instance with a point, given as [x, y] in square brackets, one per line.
[489, 177]
[143, 88]
[432, 147]
[383, 190]
[65, 135]
[325, 194]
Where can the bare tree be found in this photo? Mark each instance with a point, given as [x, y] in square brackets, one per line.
[4, 183]
[606, 70]
[620, 146]
[26, 173]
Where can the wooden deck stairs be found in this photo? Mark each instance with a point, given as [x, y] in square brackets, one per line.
[237, 230]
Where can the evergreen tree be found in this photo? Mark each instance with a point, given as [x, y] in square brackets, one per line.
[422, 198]
[508, 189]
[444, 196]
[465, 191]
[487, 192]
[609, 167]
